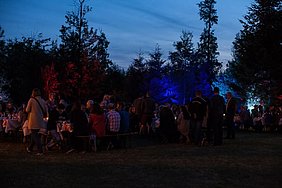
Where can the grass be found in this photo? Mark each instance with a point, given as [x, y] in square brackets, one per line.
[251, 160]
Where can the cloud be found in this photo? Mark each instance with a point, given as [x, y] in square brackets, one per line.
[130, 25]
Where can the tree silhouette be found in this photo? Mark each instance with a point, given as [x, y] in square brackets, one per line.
[207, 47]
[257, 50]
[82, 58]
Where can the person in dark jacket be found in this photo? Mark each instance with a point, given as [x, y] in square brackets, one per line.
[148, 108]
[216, 111]
[198, 111]
[79, 122]
[168, 127]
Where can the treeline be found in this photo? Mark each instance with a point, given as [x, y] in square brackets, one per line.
[79, 66]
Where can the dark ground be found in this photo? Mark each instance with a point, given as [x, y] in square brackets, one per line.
[251, 160]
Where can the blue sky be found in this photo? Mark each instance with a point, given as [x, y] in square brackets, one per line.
[131, 26]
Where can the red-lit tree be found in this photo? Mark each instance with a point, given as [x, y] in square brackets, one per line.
[50, 78]
[81, 58]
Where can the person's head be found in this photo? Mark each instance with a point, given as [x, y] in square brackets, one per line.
[61, 107]
[228, 95]
[51, 96]
[216, 90]
[36, 92]
[198, 93]
[97, 109]
[132, 109]
[111, 106]
[120, 105]
[89, 104]
[83, 107]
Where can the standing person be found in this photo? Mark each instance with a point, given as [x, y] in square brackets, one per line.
[36, 107]
[124, 123]
[97, 121]
[112, 124]
[168, 128]
[183, 124]
[51, 102]
[148, 108]
[216, 111]
[197, 109]
[133, 119]
[79, 123]
[124, 117]
[89, 107]
[231, 108]
[97, 124]
[137, 104]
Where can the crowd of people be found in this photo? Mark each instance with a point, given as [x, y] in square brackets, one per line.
[55, 123]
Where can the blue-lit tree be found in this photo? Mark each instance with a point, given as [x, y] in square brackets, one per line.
[182, 68]
[154, 72]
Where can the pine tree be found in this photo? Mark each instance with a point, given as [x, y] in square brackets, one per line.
[257, 50]
[135, 77]
[182, 65]
[207, 47]
[83, 56]
[3, 79]
[154, 71]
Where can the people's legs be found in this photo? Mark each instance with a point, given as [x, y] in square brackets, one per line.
[32, 142]
[230, 128]
[211, 131]
[43, 140]
[218, 133]
[198, 132]
[192, 130]
[35, 139]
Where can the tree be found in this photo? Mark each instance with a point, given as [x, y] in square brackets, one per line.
[182, 62]
[25, 59]
[155, 62]
[207, 47]
[134, 81]
[83, 56]
[257, 49]
[154, 71]
[182, 58]
[3, 80]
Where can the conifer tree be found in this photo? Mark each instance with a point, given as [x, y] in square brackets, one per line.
[257, 49]
[207, 47]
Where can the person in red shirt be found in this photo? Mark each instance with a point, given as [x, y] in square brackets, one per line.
[97, 121]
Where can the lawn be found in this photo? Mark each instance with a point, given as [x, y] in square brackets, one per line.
[251, 160]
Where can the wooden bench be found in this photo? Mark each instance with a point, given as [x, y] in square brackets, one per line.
[120, 137]
[92, 141]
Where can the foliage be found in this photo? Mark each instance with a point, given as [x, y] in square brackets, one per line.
[207, 47]
[257, 50]
[23, 66]
[3, 80]
[135, 77]
[182, 64]
[83, 59]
